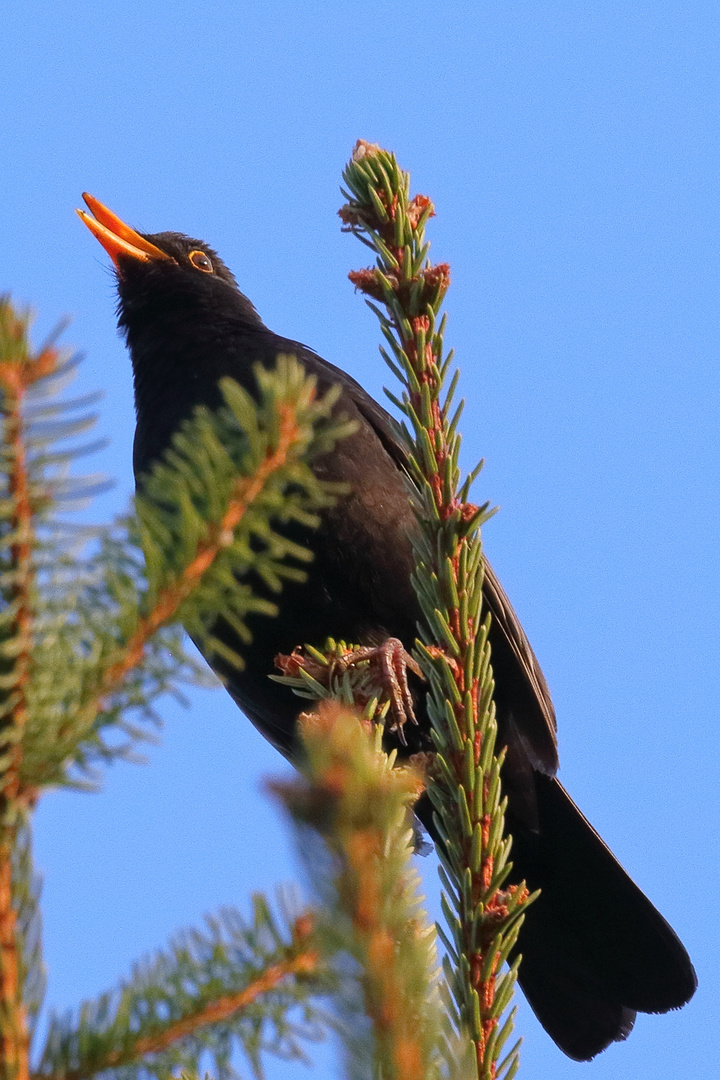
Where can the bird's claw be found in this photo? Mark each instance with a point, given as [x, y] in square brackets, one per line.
[393, 663]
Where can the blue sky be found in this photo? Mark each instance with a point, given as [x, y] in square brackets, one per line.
[571, 151]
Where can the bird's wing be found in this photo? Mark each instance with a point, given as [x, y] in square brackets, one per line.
[526, 692]
[511, 628]
[385, 427]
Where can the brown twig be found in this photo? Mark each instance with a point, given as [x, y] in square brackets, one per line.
[14, 1036]
[412, 290]
[304, 963]
[353, 797]
[219, 535]
[426, 363]
[384, 989]
[19, 370]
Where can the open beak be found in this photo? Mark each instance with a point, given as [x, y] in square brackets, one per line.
[115, 236]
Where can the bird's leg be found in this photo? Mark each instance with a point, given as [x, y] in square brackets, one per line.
[393, 663]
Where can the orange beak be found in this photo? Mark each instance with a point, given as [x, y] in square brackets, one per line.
[115, 236]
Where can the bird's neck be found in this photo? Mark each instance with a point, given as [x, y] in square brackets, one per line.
[178, 360]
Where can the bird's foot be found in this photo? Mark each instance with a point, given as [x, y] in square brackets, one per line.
[372, 672]
[392, 663]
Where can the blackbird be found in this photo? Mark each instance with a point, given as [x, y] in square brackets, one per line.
[595, 950]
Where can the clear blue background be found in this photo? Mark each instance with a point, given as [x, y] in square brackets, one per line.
[571, 151]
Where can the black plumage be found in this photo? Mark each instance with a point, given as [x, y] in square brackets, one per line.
[595, 950]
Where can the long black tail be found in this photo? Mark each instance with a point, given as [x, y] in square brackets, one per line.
[595, 950]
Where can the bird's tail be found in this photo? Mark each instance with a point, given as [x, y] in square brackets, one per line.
[595, 951]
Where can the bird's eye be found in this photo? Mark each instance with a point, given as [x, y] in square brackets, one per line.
[200, 261]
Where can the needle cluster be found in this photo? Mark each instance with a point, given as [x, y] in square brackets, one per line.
[483, 916]
[89, 640]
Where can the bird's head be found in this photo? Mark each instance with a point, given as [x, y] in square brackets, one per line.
[185, 321]
[162, 273]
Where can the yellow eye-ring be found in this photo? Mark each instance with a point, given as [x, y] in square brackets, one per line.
[200, 261]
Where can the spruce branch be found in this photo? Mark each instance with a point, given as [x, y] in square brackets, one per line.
[211, 514]
[483, 915]
[238, 983]
[26, 888]
[20, 370]
[218, 535]
[85, 640]
[217, 508]
[351, 808]
[57, 613]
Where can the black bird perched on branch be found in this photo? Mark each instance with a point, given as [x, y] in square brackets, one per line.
[595, 950]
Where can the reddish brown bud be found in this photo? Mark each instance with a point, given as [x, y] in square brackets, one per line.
[451, 662]
[363, 149]
[45, 363]
[438, 277]
[303, 926]
[290, 665]
[416, 208]
[367, 282]
[351, 216]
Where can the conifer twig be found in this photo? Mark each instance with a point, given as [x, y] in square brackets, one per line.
[353, 797]
[223, 1008]
[78, 613]
[245, 466]
[14, 1035]
[303, 960]
[210, 524]
[218, 536]
[244, 982]
[20, 369]
[484, 917]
